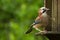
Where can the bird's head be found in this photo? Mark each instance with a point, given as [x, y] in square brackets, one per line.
[43, 10]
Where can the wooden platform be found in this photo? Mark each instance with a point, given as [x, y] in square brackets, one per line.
[51, 35]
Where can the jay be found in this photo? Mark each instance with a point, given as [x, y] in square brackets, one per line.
[40, 21]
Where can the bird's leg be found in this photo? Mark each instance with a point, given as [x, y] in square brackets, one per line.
[37, 29]
[42, 31]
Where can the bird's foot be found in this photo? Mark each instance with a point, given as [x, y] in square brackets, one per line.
[41, 32]
[44, 32]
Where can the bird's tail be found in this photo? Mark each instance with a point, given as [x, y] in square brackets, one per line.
[29, 30]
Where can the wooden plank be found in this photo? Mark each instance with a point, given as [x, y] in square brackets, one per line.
[58, 15]
[48, 4]
[48, 32]
[54, 15]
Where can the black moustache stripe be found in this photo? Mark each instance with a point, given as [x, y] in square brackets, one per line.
[44, 11]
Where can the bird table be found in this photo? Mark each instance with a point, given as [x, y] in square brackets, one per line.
[54, 26]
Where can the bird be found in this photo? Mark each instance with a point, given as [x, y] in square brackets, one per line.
[40, 21]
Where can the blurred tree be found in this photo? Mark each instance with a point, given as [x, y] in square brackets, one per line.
[15, 18]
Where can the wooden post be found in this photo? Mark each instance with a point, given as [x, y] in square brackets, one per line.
[54, 25]
[48, 4]
[54, 15]
[58, 15]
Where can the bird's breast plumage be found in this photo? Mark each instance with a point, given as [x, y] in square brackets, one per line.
[44, 15]
[44, 19]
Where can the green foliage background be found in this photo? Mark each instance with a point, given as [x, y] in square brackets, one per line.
[15, 18]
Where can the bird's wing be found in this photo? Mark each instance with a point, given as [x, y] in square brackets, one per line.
[37, 21]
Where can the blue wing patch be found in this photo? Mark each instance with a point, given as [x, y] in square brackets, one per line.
[36, 22]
